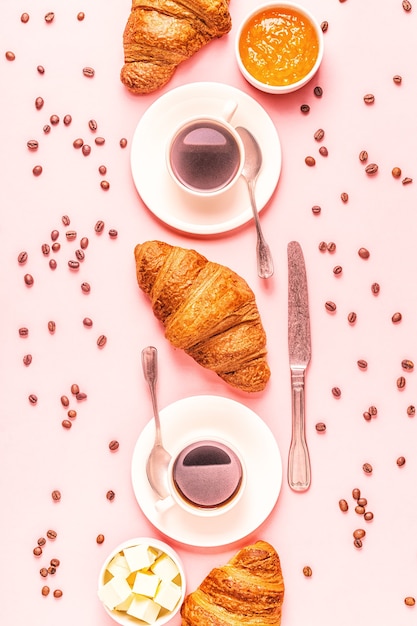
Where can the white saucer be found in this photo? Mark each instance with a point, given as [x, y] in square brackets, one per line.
[159, 192]
[208, 417]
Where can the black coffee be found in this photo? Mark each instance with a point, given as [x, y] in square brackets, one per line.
[204, 156]
[207, 474]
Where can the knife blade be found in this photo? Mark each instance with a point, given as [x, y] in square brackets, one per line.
[299, 349]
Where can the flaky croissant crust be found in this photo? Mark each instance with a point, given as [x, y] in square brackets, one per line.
[248, 590]
[161, 34]
[207, 310]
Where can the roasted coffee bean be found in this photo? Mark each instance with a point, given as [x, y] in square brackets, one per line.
[37, 551]
[324, 26]
[56, 246]
[363, 253]
[319, 134]
[51, 326]
[409, 600]
[321, 427]
[401, 461]
[337, 270]
[27, 360]
[37, 170]
[369, 516]
[23, 331]
[51, 570]
[367, 468]
[407, 365]
[113, 233]
[73, 265]
[363, 156]
[110, 495]
[56, 495]
[360, 510]
[322, 246]
[99, 141]
[362, 501]
[397, 79]
[55, 562]
[369, 98]
[102, 169]
[33, 399]
[87, 322]
[58, 593]
[316, 210]
[86, 149]
[65, 219]
[65, 401]
[81, 396]
[367, 416]
[105, 185]
[54, 119]
[43, 572]
[101, 341]
[343, 505]
[53, 264]
[359, 533]
[22, 257]
[85, 287]
[344, 197]
[407, 181]
[406, 4]
[397, 317]
[100, 539]
[88, 72]
[114, 445]
[45, 590]
[318, 91]
[357, 543]
[99, 226]
[330, 306]
[84, 243]
[307, 571]
[75, 389]
[92, 125]
[46, 129]
[362, 364]
[39, 102]
[305, 108]
[49, 17]
[331, 247]
[411, 410]
[72, 414]
[78, 143]
[40, 69]
[373, 411]
[396, 172]
[66, 424]
[323, 151]
[33, 144]
[67, 119]
[356, 493]
[29, 280]
[401, 382]
[51, 534]
[310, 161]
[24, 18]
[336, 392]
[46, 248]
[80, 16]
[79, 254]
[371, 169]
[123, 142]
[10, 56]
[375, 288]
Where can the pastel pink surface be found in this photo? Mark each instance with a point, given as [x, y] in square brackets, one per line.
[364, 48]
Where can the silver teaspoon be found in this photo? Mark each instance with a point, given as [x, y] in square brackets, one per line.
[251, 168]
[159, 458]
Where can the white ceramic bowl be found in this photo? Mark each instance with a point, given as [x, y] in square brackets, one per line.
[308, 18]
[122, 616]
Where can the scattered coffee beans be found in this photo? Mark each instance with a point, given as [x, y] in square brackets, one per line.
[401, 382]
[114, 445]
[330, 306]
[363, 253]
[369, 98]
[352, 317]
[362, 364]
[307, 571]
[336, 392]
[401, 461]
[321, 427]
[343, 505]
[409, 601]
[110, 495]
[310, 161]
[371, 169]
[367, 468]
[411, 410]
[100, 539]
[396, 172]
[363, 156]
[101, 341]
[319, 134]
[58, 593]
[397, 317]
[56, 495]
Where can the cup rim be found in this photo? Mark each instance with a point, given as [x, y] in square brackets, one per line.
[222, 122]
[214, 511]
[280, 89]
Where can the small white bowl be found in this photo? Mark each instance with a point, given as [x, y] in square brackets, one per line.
[303, 80]
[161, 548]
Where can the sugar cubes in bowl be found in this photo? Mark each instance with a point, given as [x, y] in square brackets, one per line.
[142, 582]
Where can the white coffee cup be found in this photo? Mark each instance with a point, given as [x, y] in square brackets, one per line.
[205, 154]
[207, 478]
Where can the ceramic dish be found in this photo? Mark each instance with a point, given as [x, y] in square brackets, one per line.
[202, 216]
[208, 417]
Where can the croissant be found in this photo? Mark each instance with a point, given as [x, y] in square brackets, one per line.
[160, 34]
[207, 310]
[248, 590]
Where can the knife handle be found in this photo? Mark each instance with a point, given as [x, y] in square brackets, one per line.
[299, 470]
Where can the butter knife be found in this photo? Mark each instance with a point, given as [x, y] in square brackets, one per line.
[299, 348]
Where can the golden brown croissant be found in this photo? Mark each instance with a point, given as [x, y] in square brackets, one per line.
[160, 34]
[207, 310]
[248, 591]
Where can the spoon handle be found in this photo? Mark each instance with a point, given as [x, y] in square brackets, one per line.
[263, 252]
[150, 372]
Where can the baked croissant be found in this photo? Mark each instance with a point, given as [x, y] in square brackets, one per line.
[248, 591]
[207, 310]
[160, 34]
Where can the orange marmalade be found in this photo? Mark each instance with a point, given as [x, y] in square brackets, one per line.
[279, 46]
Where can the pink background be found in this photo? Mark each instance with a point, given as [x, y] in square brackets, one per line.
[365, 48]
